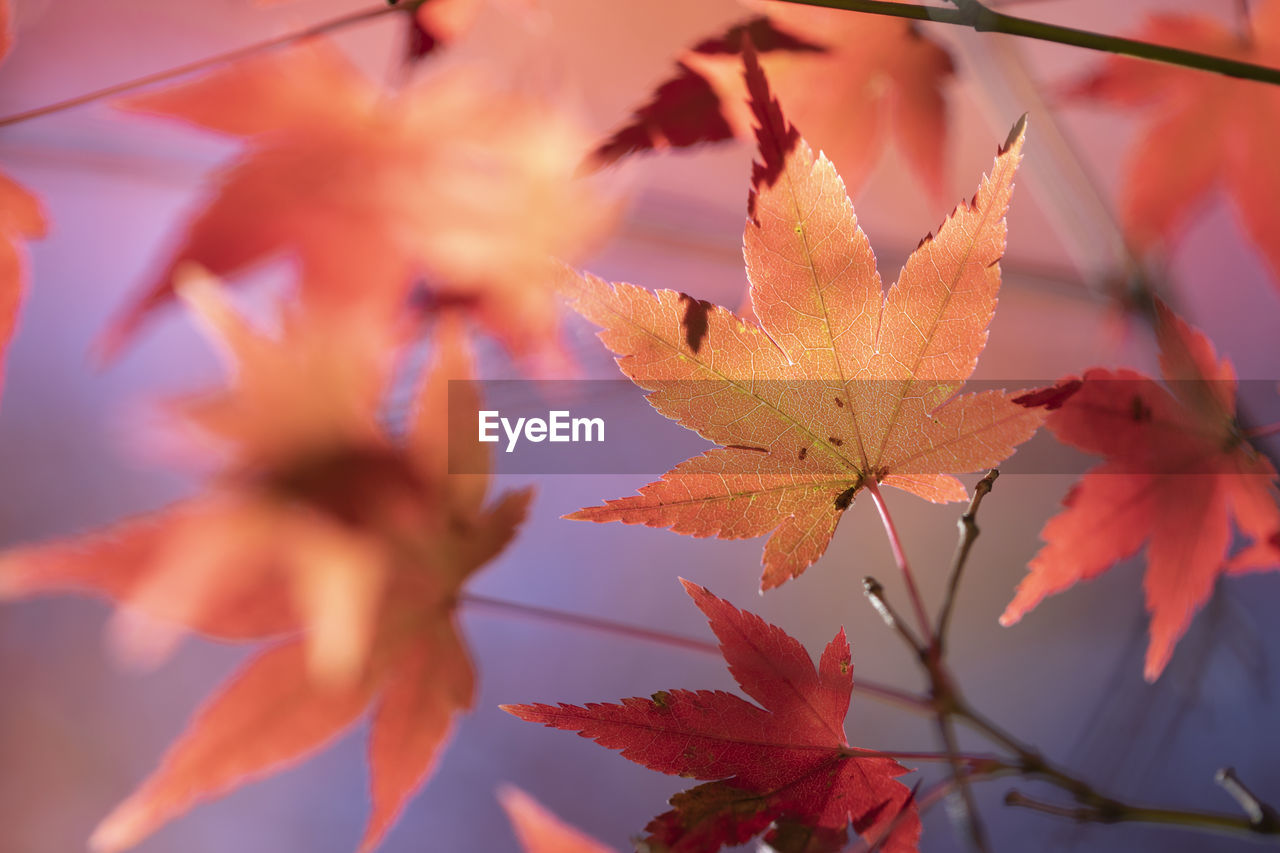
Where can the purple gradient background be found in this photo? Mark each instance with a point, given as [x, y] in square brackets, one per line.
[77, 733]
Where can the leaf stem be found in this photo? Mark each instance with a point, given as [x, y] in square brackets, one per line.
[111, 91]
[900, 557]
[983, 19]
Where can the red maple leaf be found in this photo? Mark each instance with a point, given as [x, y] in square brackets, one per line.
[851, 81]
[1177, 471]
[840, 384]
[343, 548]
[21, 218]
[782, 767]
[1204, 131]
[446, 184]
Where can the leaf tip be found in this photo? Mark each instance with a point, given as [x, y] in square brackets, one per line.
[120, 830]
[1050, 398]
[1016, 134]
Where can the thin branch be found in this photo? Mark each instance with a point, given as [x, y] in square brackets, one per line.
[1113, 811]
[982, 19]
[969, 531]
[900, 556]
[1260, 814]
[112, 91]
[964, 808]
[882, 692]
[875, 594]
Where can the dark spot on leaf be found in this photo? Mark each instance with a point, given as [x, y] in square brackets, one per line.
[838, 442]
[750, 447]
[804, 451]
[839, 402]
[662, 699]
[1141, 412]
[696, 320]
[845, 498]
[1050, 398]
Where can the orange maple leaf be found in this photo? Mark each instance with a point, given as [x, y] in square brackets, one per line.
[447, 184]
[539, 831]
[852, 81]
[344, 548]
[1205, 131]
[840, 384]
[1177, 471]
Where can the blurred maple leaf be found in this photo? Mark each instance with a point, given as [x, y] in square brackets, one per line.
[848, 79]
[539, 831]
[839, 384]
[1204, 131]
[784, 765]
[342, 547]
[21, 218]
[1177, 471]
[464, 189]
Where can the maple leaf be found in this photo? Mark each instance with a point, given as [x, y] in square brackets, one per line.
[21, 218]
[345, 550]
[1204, 131]
[848, 79]
[839, 385]
[540, 831]
[446, 183]
[6, 28]
[1176, 472]
[783, 765]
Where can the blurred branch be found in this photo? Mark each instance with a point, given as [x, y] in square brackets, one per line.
[341, 22]
[964, 811]
[881, 692]
[976, 16]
